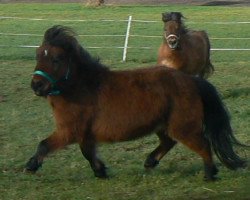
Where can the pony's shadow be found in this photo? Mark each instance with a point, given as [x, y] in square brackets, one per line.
[222, 3]
[236, 92]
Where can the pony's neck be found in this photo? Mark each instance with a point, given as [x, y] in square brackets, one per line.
[91, 73]
[86, 76]
[184, 30]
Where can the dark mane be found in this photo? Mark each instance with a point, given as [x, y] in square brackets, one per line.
[65, 38]
[174, 16]
[60, 36]
[89, 68]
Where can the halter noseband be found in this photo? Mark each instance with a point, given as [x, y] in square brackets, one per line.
[55, 90]
[172, 36]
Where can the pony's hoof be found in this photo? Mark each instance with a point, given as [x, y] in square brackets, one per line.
[32, 165]
[211, 179]
[101, 174]
[150, 163]
[210, 173]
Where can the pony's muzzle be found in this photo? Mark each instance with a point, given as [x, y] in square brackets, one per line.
[172, 41]
[40, 87]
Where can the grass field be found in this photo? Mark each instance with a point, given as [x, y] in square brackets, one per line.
[25, 119]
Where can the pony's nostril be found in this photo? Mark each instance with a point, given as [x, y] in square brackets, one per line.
[172, 42]
[40, 87]
[37, 85]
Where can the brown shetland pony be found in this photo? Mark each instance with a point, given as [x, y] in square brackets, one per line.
[92, 104]
[183, 49]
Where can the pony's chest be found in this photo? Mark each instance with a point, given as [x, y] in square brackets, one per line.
[170, 58]
[69, 115]
[169, 62]
[173, 61]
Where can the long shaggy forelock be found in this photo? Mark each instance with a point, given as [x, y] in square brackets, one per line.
[65, 38]
[175, 16]
[172, 16]
[60, 36]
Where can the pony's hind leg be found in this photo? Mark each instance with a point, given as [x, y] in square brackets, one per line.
[45, 147]
[88, 148]
[166, 143]
[199, 144]
[202, 147]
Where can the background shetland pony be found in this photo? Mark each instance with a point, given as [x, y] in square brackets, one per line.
[92, 104]
[183, 49]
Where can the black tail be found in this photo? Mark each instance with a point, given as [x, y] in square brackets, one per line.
[217, 126]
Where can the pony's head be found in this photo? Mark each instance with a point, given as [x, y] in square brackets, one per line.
[60, 62]
[54, 69]
[173, 28]
[51, 70]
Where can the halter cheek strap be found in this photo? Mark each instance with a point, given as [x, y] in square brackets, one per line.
[55, 90]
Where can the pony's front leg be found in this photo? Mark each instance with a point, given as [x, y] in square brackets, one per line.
[46, 146]
[88, 149]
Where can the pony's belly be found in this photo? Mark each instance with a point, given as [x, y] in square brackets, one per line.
[116, 133]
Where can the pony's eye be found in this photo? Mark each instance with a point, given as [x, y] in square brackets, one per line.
[55, 63]
[55, 60]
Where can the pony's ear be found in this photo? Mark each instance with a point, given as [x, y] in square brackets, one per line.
[175, 16]
[180, 15]
[165, 17]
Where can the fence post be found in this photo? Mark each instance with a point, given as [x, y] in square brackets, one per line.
[126, 39]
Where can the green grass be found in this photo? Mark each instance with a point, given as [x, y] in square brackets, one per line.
[26, 119]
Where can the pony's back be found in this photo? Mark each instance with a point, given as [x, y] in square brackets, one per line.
[133, 103]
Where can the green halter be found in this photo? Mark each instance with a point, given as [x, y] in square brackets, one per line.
[55, 90]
